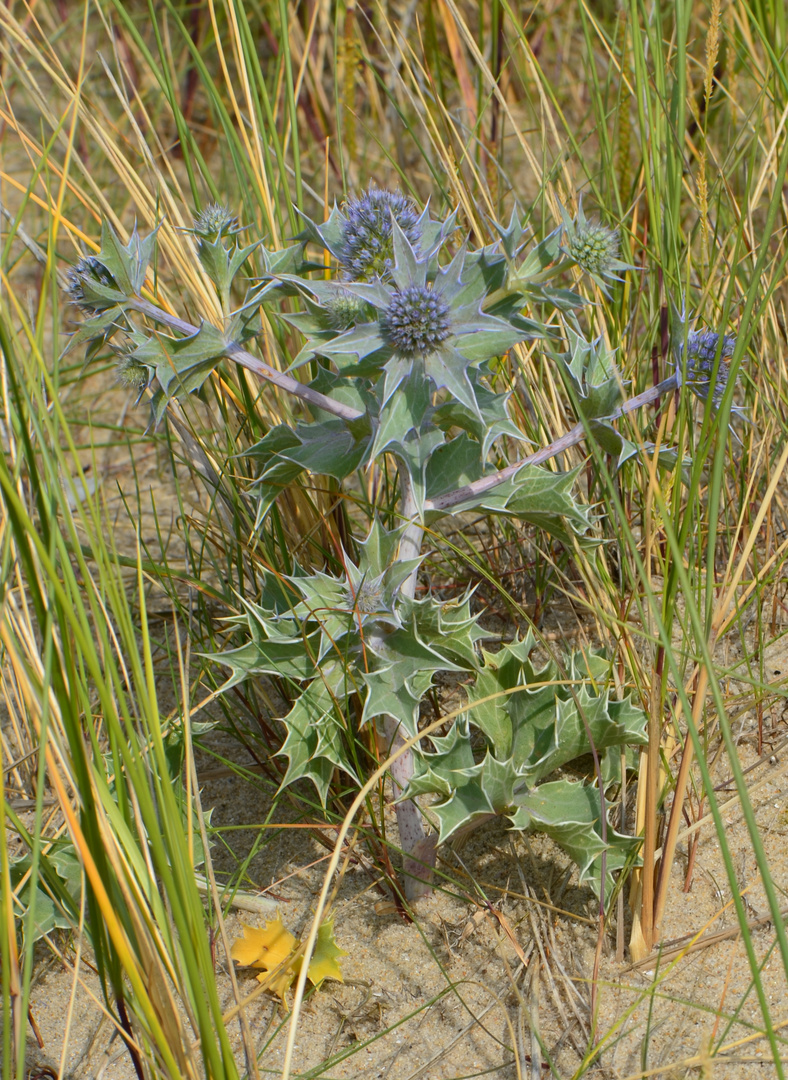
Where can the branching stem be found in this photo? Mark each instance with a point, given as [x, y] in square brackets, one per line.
[313, 397]
[571, 438]
[240, 355]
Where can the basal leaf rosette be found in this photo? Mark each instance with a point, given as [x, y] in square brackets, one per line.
[332, 638]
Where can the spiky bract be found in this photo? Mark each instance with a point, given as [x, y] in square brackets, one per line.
[593, 247]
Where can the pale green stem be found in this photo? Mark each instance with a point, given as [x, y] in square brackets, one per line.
[418, 848]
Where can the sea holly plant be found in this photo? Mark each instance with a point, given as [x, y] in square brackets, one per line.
[403, 339]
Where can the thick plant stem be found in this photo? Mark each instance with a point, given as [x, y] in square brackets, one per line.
[418, 847]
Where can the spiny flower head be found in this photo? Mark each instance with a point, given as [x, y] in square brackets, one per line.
[369, 597]
[366, 247]
[344, 310]
[425, 319]
[593, 247]
[213, 222]
[88, 280]
[131, 372]
[417, 320]
[703, 346]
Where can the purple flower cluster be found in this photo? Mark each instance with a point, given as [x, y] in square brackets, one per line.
[416, 321]
[367, 246]
[702, 349]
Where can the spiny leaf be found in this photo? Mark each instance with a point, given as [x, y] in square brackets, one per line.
[570, 813]
[128, 263]
[325, 958]
[221, 263]
[183, 364]
[539, 497]
[314, 745]
[264, 948]
[532, 732]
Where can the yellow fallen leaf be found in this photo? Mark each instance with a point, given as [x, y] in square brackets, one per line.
[266, 948]
[272, 950]
[324, 963]
[279, 984]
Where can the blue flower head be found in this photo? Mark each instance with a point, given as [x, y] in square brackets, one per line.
[425, 320]
[416, 320]
[703, 347]
[366, 248]
[91, 286]
[360, 236]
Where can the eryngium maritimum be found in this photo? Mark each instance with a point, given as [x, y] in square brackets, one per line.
[344, 310]
[416, 321]
[702, 349]
[131, 373]
[370, 597]
[366, 250]
[594, 248]
[85, 274]
[215, 221]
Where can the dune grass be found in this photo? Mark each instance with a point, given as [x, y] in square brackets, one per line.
[668, 119]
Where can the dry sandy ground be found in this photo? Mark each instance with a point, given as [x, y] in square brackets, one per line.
[447, 996]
